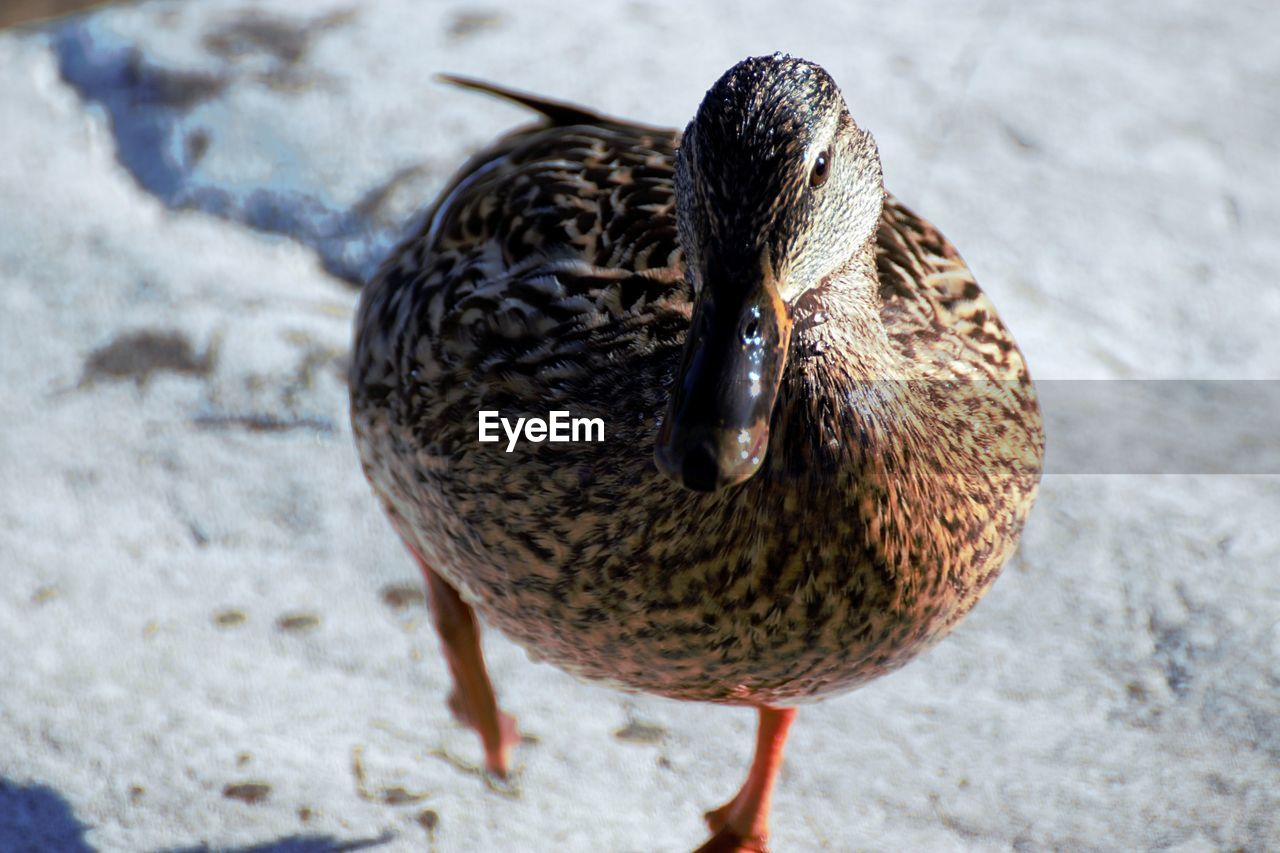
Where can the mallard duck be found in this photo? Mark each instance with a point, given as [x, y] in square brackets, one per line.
[820, 444]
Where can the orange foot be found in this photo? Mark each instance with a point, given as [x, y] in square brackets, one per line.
[742, 824]
[497, 730]
[472, 701]
[726, 839]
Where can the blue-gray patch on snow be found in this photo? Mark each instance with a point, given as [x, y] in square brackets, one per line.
[149, 107]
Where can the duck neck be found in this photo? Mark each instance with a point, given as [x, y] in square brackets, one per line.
[847, 388]
[840, 335]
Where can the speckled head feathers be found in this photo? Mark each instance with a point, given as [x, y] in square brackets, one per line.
[746, 179]
[777, 100]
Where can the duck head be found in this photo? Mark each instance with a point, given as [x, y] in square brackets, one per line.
[777, 191]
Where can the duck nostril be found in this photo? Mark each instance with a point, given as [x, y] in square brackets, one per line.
[699, 469]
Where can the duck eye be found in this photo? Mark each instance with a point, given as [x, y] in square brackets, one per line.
[821, 167]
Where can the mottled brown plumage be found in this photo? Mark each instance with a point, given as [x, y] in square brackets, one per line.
[903, 448]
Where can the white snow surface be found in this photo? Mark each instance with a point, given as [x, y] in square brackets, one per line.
[195, 572]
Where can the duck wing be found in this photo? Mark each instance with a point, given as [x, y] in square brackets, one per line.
[549, 266]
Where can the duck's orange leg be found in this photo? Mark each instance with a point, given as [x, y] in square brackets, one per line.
[472, 700]
[742, 824]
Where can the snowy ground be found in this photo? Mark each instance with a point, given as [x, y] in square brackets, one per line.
[209, 637]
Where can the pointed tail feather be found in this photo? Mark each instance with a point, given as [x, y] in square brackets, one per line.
[557, 112]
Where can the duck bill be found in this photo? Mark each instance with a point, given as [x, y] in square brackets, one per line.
[716, 431]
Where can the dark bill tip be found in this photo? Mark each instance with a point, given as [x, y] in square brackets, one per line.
[716, 431]
[698, 469]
